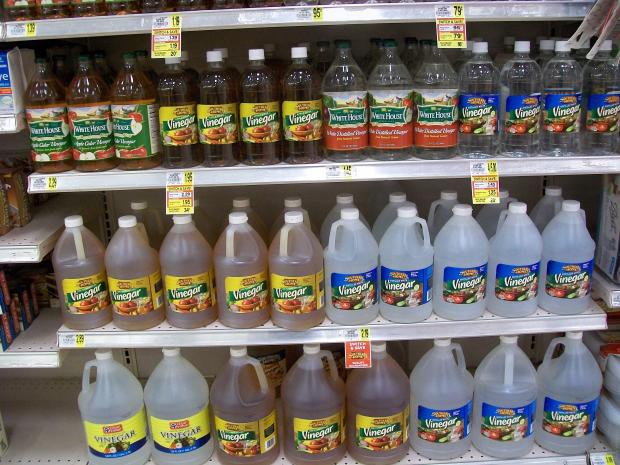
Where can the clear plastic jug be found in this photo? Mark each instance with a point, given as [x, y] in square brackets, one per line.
[290, 204]
[240, 258]
[488, 215]
[388, 214]
[177, 403]
[112, 410]
[441, 402]
[460, 268]
[378, 401]
[314, 404]
[406, 259]
[296, 275]
[514, 264]
[569, 388]
[440, 212]
[567, 262]
[242, 204]
[547, 207]
[342, 201]
[505, 392]
[189, 282]
[150, 223]
[80, 276]
[351, 260]
[205, 223]
[244, 415]
[134, 278]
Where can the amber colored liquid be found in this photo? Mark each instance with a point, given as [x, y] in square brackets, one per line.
[19, 13]
[55, 10]
[88, 9]
[156, 6]
[227, 4]
[122, 7]
[62, 71]
[192, 5]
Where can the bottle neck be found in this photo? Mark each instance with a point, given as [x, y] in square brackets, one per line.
[603, 55]
[257, 62]
[522, 55]
[481, 56]
[390, 52]
[42, 70]
[562, 54]
[84, 67]
[299, 61]
[216, 64]
[129, 65]
[174, 66]
[343, 54]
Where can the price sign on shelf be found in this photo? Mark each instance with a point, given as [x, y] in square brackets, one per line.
[357, 353]
[42, 183]
[166, 36]
[21, 29]
[72, 340]
[180, 193]
[450, 25]
[601, 458]
[484, 182]
[340, 172]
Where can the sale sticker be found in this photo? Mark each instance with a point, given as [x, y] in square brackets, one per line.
[180, 193]
[166, 36]
[450, 25]
[484, 182]
[357, 353]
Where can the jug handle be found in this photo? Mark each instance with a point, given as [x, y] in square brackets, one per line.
[230, 242]
[332, 234]
[460, 357]
[500, 221]
[549, 352]
[260, 374]
[426, 236]
[431, 213]
[88, 366]
[284, 240]
[333, 369]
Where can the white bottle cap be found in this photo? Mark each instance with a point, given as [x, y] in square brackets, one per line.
[311, 349]
[142, 205]
[462, 209]
[292, 202]
[509, 339]
[213, 56]
[481, 47]
[293, 217]
[344, 199]
[127, 221]
[606, 46]
[562, 46]
[448, 195]
[269, 47]
[172, 60]
[517, 207]
[547, 44]
[299, 52]
[237, 218]
[241, 202]
[238, 351]
[554, 191]
[398, 197]
[171, 351]
[503, 194]
[256, 54]
[407, 212]
[103, 354]
[74, 221]
[184, 55]
[571, 206]
[223, 51]
[377, 346]
[509, 40]
[442, 342]
[522, 46]
[350, 214]
[574, 335]
[182, 219]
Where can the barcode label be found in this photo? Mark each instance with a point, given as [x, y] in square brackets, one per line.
[269, 443]
[174, 178]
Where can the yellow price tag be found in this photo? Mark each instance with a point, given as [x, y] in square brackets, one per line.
[79, 340]
[180, 193]
[365, 333]
[31, 29]
[166, 36]
[340, 172]
[484, 182]
[52, 183]
[317, 14]
[451, 26]
[601, 458]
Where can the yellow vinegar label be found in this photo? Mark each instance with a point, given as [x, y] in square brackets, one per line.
[302, 120]
[177, 125]
[246, 439]
[382, 433]
[260, 122]
[133, 297]
[217, 124]
[246, 293]
[181, 435]
[86, 295]
[114, 440]
[190, 294]
[297, 294]
[319, 435]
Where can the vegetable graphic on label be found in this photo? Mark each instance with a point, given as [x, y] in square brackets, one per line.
[86, 295]
[319, 435]
[443, 426]
[568, 280]
[516, 283]
[217, 124]
[49, 134]
[178, 125]
[345, 116]
[568, 419]
[132, 297]
[478, 114]
[135, 133]
[181, 435]
[189, 294]
[464, 285]
[260, 122]
[247, 293]
[406, 289]
[507, 423]
[354, 291]
[436, 118]
[246, 439]
[391, 115]
[296, 295]
[111, 441]
[602, 112]
[522, 114]
[382, 433]
[302, 120]
[562, 112]
[91, 132]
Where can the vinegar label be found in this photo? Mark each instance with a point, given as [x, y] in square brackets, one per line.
[379, 434]
[478, 114]
[177, 125]
[133, 297]
[246, 439]
[345, 118]
[568, 280]
[298, 294]
[522, 114]
[562, 112]
[319, 435]
[135, 130]
[406, 288]
[260, 122]
[302, 120]
[436, 118]
[190, 294]
[115, 440]
[49, 134]
[464, 285]
[217, 124]
[391, 116]
[246, 293]
[516, 283]
[91, 132]
[355, 291]
[442, 426]
[181, 435]
[507, 423]
[86, 295]
[566, 419]
[602, 112]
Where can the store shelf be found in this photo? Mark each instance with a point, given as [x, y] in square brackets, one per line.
[605, 289]
[300, 16]
[44, 426]
[268, 334]
[36, 347]
[73, 181]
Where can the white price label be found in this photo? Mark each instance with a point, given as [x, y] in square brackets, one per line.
[601, 458]
[180, 193]
[42, 183]
[340, 172]
[21, 29]
[71, 340]
[166, 36]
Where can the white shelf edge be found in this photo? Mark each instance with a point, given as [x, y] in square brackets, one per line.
[606, 289]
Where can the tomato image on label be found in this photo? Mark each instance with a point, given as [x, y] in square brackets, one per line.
[86, 295]
[177, 125]
[135, 130]
[91, 132]
[189, 294]
[217, 124]
[568, 419]
[111, 441]
[602, 112]
[181, 435]
[464, 285]
[405, 289]
[478, 114]
[436, 121]
[302, 120]
[132, 297]
[49, 134]
[562, 112]
[260, 122]
[354, 291]
[516, 283]
[297, 295]
[391, 116]
[507, 423]
[568, 280]
[246, 293]
[246, 439]
[382, 433]
[522, 114]
[318, 435]
[443, 426]
[345, 116]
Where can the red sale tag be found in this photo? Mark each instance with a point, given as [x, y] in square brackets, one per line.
[357, 353]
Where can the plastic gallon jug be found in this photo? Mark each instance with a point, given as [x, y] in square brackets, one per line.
[150, 223]
[112, 410]
[187, 268]
[567, 262]
[290, 204]
[240, 258]
[177, 403]
[244, 415]
[134, 278]
[514, 264]
[488, 215]
[205, 223]
[388, 214]
[441, 402]
[313, 402]
[440, 212]
[608, 421]
[460, 268]
[569, 388]
[342, 201]
[406, 258]
[611, 380]
[242, 204]
[505, 392]
[378, 410]
[351, 260]
[296, 275]
[80, 276]
[547, 207]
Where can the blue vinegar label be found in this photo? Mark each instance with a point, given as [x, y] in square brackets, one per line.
[522, 114]
[507, 423]
[478, 114]
[568, 280]
[464, 285]
[562, 112]
[603, 111]
[354, 291]
[444, 426]
[516, 283]
[406, 289]
[567, 419]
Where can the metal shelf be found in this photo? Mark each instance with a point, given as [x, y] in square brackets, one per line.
[606, 289]
[217, 334]
[73, 181]
[299, 16]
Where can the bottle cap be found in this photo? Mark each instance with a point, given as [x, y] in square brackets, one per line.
[461, 209]
[103, 354]
[294, 217]
[344, 199]
[509, 40]
[213, 56]
[182, 219]
[442, 342]
[312, 349]
[223, 51]
[554, 191]
[577, 335]
[255, 54]
[299, 52]
[292, 202]
[448, 195]
[397, 197]
[238, 351]
[241, 202]
[480, 47]
[344, 43]
[127, 221]
[237, 218]
[377, 346]
[141, 205]
[562, 46]
[171, 351]
[517, 207]
[407, 212]
[605, 46]
[509, 339]
[503, 194]
[522, 46]
[571, 206]
[172, 60]
[389, 43]
[40, 60]
[547, 44]
[74, 221]
[84, 58]
[349, 214]
[269, 48]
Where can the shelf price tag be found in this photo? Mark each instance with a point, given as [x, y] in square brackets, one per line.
[317, 14]
[21, 29]
[310, 14]
[166, 36]
[72, 340]
[180, 193]
[42, 183]
[340, 171]
[450, 25]
[601, 458]
[357, 353]
[484, 182]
